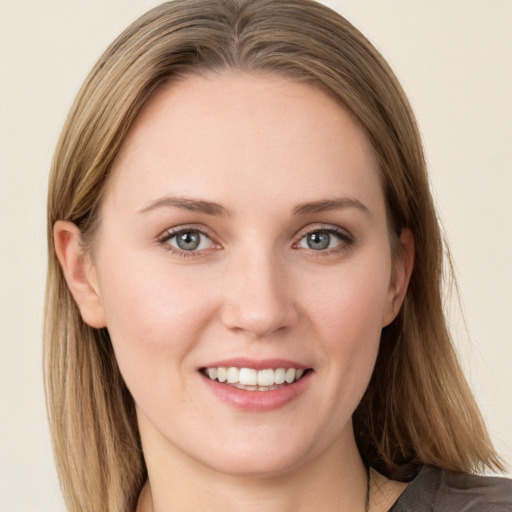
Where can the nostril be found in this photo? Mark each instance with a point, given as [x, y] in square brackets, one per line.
[259, 320]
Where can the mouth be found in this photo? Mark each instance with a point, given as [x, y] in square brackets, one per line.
[250, 379]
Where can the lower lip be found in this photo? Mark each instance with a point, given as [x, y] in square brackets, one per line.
[258, 400]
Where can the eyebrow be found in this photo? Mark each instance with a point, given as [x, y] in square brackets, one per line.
[330, 204]
[187, 203]
[215, 209]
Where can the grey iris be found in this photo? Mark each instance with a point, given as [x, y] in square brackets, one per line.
[188, 240]
[318, 240]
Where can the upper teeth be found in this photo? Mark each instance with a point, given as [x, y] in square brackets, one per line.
[251, 377]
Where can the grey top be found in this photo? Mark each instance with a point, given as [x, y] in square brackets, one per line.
[436, 490]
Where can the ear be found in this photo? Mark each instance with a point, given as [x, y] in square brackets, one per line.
[403, 265]
[79, 273]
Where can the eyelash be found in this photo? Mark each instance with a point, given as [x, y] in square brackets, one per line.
[169, 234]
[345, 238]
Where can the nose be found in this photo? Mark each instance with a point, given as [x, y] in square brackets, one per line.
[258, 298]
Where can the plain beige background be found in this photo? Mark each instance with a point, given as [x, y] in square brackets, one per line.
[454, 58]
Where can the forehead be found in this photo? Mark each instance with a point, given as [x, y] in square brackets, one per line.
[261, 134]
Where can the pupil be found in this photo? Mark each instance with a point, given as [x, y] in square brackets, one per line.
[188, 241]
[319, 240]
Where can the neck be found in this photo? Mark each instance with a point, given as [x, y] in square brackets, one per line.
[332, 481]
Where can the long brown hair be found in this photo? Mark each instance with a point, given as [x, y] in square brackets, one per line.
[418, 408]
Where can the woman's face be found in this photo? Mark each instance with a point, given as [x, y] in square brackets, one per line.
[244, 227]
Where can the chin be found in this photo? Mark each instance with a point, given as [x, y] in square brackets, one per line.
[258, 460]
[256, 467]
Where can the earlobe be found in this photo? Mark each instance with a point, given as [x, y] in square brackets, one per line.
[79, 273]
[401, 276]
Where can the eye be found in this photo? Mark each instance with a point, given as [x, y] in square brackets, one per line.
[188, 240]
[324, 239]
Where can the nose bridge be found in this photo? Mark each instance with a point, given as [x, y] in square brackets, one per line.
[258, 298]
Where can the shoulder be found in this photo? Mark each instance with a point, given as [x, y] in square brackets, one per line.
[437, 490]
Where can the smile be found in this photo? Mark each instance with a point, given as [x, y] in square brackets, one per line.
[254, 380]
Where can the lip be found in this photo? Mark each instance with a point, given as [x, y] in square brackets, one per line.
[258, 401]
[260, 364]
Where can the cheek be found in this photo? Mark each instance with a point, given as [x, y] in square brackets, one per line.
[352, 301]
[154, 316]
[346, 314]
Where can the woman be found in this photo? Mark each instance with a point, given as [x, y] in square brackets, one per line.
[243, 303]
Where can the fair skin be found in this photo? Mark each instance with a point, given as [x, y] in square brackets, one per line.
[244, 226]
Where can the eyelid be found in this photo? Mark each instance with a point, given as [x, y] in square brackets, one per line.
[346, 238]
[332, 228]
[169, 233]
